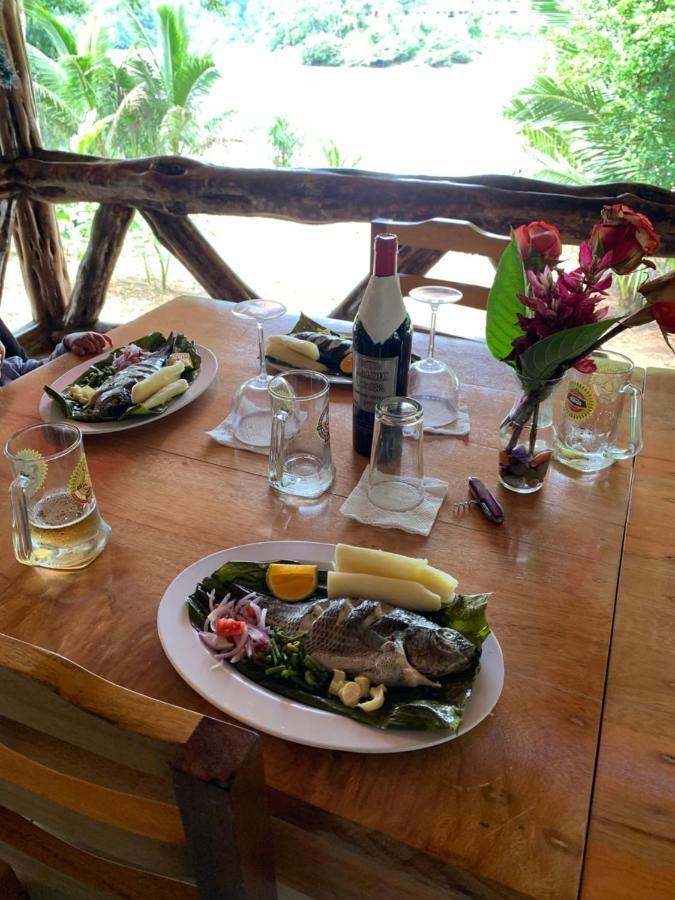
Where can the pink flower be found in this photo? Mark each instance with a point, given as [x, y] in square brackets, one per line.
[539, 244]
[625, 236]
[586, 366]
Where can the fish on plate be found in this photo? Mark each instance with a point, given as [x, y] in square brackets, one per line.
[389, 645]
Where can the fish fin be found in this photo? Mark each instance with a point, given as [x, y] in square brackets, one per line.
[411, 676]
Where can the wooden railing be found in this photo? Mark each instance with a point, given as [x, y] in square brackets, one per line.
[166, 190]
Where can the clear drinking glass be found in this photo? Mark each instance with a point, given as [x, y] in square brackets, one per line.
[431, 381]
[396, 473]
[251, 403]
[587, 433]
[300, 459]
[55, 519]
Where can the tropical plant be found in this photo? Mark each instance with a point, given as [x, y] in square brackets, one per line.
[602, 109]
[336, 159]
[78, 86]
[160, 112]
[285, 141]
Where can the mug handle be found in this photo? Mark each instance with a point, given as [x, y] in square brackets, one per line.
[635, 439]
[276, 462]
[23, 544]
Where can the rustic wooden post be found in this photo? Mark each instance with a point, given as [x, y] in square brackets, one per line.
[108, 230]
[36, 233]
[7, 208]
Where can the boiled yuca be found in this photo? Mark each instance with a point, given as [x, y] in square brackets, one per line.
[168, 392]
[280, 342]
[394, 591]
[376, 562]
[142, 390]
[292, 357]
[437, 581]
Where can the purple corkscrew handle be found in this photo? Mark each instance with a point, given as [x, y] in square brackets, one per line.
[489, 505]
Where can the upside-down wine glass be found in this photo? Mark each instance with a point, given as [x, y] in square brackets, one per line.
[431, 382]
[251, 404]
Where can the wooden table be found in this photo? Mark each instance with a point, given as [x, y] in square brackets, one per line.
[502, 812]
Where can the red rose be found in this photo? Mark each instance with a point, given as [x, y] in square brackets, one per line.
[660, 295]
[539, 244]
[625, 234]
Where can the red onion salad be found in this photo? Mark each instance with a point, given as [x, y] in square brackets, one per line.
[235, 628]
[129, 356]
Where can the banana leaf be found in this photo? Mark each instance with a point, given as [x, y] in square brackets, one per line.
[96, 375]
[419, 709]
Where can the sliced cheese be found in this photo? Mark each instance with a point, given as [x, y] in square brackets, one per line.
[376, 562]
[394, 591]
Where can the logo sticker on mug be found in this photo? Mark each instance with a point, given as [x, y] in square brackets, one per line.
[79, 483]
[34, 468]
[323, 428]
[580, 401]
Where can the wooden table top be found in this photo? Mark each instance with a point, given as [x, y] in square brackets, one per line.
[501, 812]
[631, 842]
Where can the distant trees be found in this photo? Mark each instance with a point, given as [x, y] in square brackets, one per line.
[602, 108]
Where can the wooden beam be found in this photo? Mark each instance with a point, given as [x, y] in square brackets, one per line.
[109, 227]
[182, 238]
[36, 233]
[181, 186]
[6, 226]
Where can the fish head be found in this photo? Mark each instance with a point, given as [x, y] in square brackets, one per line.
[438, 651]
[114, 402]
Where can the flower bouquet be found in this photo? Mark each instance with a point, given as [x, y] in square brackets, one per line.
[542, 320]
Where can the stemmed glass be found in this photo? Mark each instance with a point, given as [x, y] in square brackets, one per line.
[251, 406]
[432, 382]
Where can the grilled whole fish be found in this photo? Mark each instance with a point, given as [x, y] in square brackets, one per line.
[113, 397]
[363, 637]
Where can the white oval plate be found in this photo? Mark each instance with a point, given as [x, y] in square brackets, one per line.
[263, 710]
[50, 411]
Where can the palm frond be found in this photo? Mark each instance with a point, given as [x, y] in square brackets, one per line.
[62, 39]
[194, 79]
[557, 102]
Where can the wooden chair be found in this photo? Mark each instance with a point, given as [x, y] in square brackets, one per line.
[421, 246]
[107, 793]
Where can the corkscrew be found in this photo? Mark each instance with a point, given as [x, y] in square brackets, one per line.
[481, 497]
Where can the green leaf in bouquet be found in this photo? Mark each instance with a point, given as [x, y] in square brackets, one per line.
[503, 306]
[551, 356]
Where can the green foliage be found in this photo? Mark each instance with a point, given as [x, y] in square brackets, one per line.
[336, 160]
[503, 306]
[285, 141]
[602, 110]
[146, 104]
[322, 50]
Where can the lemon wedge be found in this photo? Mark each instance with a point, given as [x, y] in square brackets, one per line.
[291, 581]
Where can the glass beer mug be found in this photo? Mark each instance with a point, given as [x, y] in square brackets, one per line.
[586, 437]
[55, 519]
[300, 461]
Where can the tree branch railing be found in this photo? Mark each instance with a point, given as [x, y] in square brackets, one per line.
[166, 190]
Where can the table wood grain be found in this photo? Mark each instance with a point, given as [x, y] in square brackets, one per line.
[631, 845]
[501, 812]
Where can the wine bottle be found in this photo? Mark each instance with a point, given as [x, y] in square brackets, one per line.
[382, 343]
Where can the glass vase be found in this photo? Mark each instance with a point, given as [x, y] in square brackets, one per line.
[526, 437]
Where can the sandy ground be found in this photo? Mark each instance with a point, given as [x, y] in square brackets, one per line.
[406, 119]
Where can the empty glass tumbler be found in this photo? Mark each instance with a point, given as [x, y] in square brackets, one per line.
[300, 461]
[55, 519]
[396, 473]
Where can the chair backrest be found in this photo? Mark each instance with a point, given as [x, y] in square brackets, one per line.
[423, 244]
[105, 792]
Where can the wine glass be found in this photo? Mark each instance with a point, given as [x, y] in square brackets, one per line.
[432, 382]
[251, 406]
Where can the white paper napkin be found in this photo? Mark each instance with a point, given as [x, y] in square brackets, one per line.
[224, 434]
[461, 425]
[415, 521]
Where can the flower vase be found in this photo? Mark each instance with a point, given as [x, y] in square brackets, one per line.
[526, 437]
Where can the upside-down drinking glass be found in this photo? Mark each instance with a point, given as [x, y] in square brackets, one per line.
[251, 405]
[432, 382]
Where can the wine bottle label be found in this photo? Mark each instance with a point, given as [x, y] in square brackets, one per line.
[382, 309]
[373, 380]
